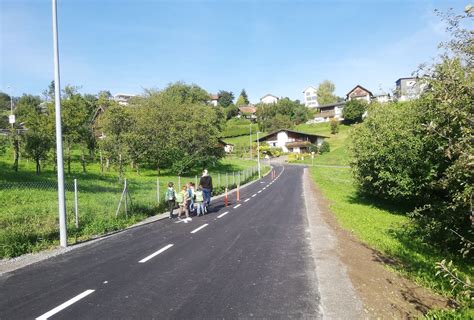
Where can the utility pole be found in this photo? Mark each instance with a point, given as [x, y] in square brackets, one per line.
[250, 141]
[59, 135]
[258, 156]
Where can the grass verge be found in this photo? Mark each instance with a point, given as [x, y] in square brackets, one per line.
[385, 227]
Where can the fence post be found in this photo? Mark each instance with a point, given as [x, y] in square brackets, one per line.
[179, 183]
[218, 179]
[76, 209]
[126, 198]
[226, 180]
[233, 177]
[238, 177]
[196, 181]
[158, 190]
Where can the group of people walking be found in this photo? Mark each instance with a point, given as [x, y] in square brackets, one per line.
[190, 200]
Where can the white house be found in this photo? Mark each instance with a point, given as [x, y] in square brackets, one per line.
[310, 97]
[269, 99]
[123, 98]
[292, 141]
[214, 99]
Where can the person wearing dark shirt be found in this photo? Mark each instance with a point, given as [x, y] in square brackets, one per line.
[206, 183]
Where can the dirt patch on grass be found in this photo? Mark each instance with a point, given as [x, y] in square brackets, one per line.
[385, 294]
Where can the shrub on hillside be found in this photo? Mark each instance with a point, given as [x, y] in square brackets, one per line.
[324, 147]
[334, 124]
[354, 111]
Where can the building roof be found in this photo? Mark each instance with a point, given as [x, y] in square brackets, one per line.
[269, 95]
[224, 143]
[129, 95]
[359, 86]
[248, 109]
[297, 132]
[308, 88]
[406, 78]
[214, 96]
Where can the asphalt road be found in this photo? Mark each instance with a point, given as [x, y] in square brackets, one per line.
[251, 259]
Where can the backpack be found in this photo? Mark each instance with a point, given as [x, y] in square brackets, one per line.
[199, 196]
[170, 194]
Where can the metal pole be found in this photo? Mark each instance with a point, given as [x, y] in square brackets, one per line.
[76, 207]
[196, 181]
[158, 190]
[258, 156]
[250, 141]
[226, 180]
[125, 190]
[59, 140]
[179, 183]
[218, 179]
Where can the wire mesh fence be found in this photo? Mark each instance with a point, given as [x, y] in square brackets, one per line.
[28, 209]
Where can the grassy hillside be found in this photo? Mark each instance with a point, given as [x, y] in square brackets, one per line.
[239, 127]
[338, 143]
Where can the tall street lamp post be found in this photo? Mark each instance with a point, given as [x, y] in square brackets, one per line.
[250, 141]
[59, 135]
[258, 156]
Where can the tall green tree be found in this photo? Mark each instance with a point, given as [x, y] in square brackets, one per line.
[243, 99]
[74, 116]
[226, 98]
[38, 137]
[325, 93]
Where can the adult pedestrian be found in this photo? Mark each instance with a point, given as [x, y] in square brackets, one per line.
[206, 183]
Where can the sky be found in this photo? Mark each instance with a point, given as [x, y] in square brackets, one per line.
[278, 47]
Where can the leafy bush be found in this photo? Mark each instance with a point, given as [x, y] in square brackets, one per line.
[334, 124]
[354, 111]
[387, 157]
[324, 147]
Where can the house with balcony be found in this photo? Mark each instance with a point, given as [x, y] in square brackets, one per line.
[359, 93]
[248, 112]
[328, 112]
[292, 141]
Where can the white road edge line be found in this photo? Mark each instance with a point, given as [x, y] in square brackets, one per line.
[221, 215]
[201, 227]
[156, 253]
[237, 206]
[65, 305]
[247, 199]
[254, 195]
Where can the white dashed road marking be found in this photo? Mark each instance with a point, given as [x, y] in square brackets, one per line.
[155, 254]
[237, 206]
[254, 195]
[221, 215]
[259, 191]
[65, 305]
[201, 227]
[247, 200]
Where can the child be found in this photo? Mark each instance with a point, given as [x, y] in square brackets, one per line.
[170, 198]
[183, 199]
[199, 201]
[191, 196]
